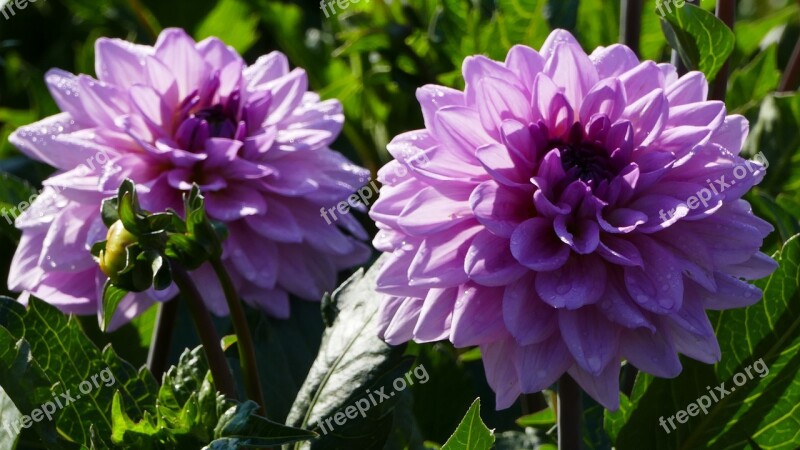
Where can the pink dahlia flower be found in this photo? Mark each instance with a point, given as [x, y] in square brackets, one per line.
[253, 138]
[571, 211]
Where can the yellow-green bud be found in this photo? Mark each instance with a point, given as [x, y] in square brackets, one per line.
[113, 259]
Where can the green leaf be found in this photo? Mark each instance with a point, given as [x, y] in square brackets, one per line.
[472, 433]
[109, 211]
[61, 358]
[9, 414]
[750, 84]
[775, 136]
[351, 360]
[233, 22]
[243, 423]
[112, 297]
[703, 41]
[760, 348]
[545, 417]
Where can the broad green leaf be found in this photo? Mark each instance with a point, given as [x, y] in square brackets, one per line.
[285, 351]
[244, 424]
[112, 297]
[598, 23]
[545, 417]
[775, 135]
[760, 368]
[472, 433]
[233, 22]
[703, 41]
[750, 33]
[9, 414]
[750, 84]
[351, 361]
[522, 22]
[66, 361]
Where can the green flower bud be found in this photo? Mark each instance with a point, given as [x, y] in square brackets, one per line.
[113, 258]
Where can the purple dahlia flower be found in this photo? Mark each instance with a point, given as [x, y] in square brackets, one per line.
[253, 138]
[551, 220]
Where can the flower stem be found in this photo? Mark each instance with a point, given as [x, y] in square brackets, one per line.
[247, 352]
[631, 24]
[569, 414]
[208, 334]
[162, 338]
[726, 12]
[791, 76]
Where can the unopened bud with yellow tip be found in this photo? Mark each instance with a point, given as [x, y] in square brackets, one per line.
[113, 258]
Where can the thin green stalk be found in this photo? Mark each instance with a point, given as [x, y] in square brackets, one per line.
[162, 338]
[247, 352]
[208, 334]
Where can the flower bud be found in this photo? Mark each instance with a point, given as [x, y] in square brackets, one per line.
[114, 257]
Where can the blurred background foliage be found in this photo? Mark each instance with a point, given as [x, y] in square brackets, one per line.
[372, 56]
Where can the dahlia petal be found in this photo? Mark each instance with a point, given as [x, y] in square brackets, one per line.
[540, 365]
[619, 251]
[459, 130]
[732, 133]
[256, 260]
[706, 114]
[501, 373]
[618, 307]
[731, 293]
[436, 315]
[64, 247]
[642, 80]
[120, 62]
[690, 88]
[64, 88]
[570, 68]
[557, 39]
[177, 50]
[526, 316]
[613, 61]
[553, 106]
[648, 115]
[525, 62]
[499, 100]
[266, 68]
[439, 262]
[489, 261]
[580, 282]
[499, 162]
[277, 224]
[386, 312]
[433, 210]
[535, 245]
[658, 286]
[38, 141]
[607, 98]
[432, 98]
[755, 268]
[274, 302]
[306, 277]
[477, 317]
[25, 270]
[475, 68]
[287, 93]
[499, 208]
[650, 352]
[584, 236]
[235, 202]
[401, 327]
[603, 387]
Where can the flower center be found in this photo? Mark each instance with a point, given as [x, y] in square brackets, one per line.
[220, 124]
[585, 161]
